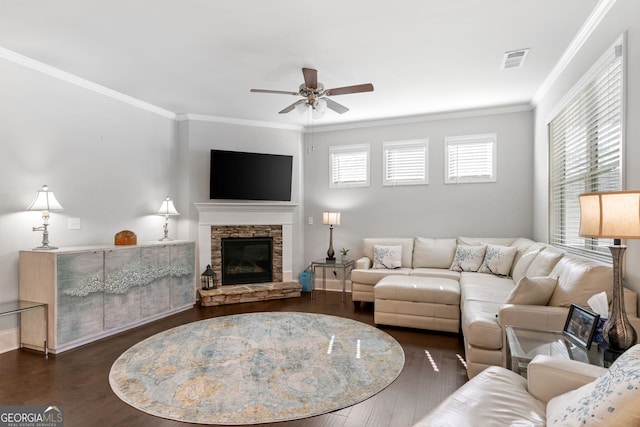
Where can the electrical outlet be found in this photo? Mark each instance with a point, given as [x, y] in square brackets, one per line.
[74, 223]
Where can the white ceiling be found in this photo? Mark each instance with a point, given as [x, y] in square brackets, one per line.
[203, 56]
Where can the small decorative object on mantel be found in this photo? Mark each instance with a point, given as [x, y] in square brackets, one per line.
[208, 279]
[126, 237]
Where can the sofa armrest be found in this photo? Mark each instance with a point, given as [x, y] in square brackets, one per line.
[548, 377]
[542, 317]
[363, 263]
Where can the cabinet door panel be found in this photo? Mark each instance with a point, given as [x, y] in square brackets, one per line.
[156, 293]
[182, 275]
[124, 275]
[79, 295]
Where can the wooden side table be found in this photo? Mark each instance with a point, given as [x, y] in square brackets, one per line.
[346, 268]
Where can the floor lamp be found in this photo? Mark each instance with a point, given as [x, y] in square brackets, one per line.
[614, 215]
[331, 219]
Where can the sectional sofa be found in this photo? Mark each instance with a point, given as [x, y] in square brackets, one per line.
[477, 286]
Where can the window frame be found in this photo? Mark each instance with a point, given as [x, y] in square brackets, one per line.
[563, 231]
[353, 148]
[389, 146]
[471, 139]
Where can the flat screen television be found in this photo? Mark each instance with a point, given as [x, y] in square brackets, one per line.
[239, 175]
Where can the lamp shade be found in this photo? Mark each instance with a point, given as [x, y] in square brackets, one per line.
[45, 201]
[167, 208]
[614, 215]
[331, 218]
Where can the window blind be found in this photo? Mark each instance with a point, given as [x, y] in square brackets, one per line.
[405, 162]
[585, 154]
[470, 159]
[349, 166]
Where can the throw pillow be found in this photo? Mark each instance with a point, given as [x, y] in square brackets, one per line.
[609, 400]
[387, 256]
[532, 291]
[498, 260]
[522, 265]
[468, 258]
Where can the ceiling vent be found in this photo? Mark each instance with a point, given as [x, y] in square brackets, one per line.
[514, 59]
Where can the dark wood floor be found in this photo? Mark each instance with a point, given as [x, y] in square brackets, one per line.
[78, 379]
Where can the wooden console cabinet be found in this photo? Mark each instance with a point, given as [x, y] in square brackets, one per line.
[94, 292]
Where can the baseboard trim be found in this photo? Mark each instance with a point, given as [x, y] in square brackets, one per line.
[9, 340]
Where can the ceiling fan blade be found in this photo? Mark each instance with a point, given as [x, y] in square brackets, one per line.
[292, 106]
[284, 92]
[310, 78]
[367, 87]
[338, 108]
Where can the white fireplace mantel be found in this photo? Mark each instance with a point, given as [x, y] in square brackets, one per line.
[247, 213]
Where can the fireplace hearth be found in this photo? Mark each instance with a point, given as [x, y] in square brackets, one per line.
[246, 260]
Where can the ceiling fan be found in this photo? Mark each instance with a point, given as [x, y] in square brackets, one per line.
[316, 96]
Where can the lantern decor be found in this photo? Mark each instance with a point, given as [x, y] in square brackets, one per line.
[208, 279]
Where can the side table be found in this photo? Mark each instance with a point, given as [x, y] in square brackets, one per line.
[346, 268]
[19, 307]
[525, 344]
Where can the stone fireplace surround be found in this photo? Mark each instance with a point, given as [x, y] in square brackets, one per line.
[249, 218]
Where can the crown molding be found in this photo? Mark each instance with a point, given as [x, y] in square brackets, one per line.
[235, 121]
[12, 56]
[592, 22]
[421, 118]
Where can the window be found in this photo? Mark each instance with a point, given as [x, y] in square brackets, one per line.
[349, 166]
[405, 162]
[585, 152]
[470, 158]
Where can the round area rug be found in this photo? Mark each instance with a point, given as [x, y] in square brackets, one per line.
[256, 368]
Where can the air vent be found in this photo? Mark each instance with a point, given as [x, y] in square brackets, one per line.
[514, 59]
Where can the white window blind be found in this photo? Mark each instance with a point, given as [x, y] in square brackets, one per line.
[349, 166]
[470, 158]
[585, 153]
[405, 162]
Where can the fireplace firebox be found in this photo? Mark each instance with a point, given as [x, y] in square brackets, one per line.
[247, 260]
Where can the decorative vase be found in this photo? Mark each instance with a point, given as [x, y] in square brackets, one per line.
[618, 332]
[344, 258]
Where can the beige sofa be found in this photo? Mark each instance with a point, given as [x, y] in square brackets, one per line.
[556, 392]
[482, 308]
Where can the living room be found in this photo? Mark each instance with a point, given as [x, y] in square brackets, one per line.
[111, 158]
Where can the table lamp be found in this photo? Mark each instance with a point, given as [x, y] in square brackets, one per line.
[331, 219]
[46, 202]
[167, 209]
[614, 215]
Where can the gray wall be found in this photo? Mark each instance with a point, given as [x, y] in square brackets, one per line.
[502, 208]
[108, 163]
[623, 17]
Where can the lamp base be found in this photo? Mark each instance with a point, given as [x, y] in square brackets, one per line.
[45, 248]
[166, 239]
[333, 259]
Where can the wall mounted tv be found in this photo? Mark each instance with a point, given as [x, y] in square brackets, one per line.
[238, 175]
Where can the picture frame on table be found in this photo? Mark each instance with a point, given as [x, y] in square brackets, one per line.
[580, 325]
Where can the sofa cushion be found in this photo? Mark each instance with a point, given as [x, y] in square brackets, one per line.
[387, 256]
[476, 241]
[498, 260]
[543, 263]
[611, 400]
[433, 253]
[480, 325]
[523, 263]
[532, 291]
[373, 276]
[405, 242]
[578, 280]
[419, 289]
[495, 397]
[468, 258]
[435, 272]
